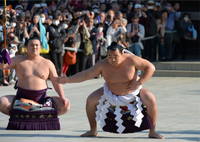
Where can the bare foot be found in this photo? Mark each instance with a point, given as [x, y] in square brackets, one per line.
[155, 135]
[90, 133]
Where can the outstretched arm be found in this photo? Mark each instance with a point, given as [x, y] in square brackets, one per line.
[81, 76]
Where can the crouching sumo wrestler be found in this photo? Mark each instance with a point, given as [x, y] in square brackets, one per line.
[122, 105]
[30, 108]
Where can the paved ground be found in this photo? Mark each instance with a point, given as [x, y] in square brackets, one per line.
[178, 114]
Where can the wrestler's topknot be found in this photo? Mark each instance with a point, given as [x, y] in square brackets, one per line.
[114, 46]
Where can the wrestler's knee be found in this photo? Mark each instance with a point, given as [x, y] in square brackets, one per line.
[5, 104]
[147, 97]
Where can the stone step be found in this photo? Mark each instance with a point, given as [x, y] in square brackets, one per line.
[176, 73]
[192, 66]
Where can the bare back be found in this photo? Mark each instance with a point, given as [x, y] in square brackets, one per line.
[117, 79]
[32, 75]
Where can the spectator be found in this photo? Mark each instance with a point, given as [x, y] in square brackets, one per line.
[176, 39]
[119, 15]
[43, 20]
[114, 31]
[123, 37]
[161, 32]
[135, 32]
[158, 6]
[103, 7]
[109, 18]
[102, 20]
[81, 33]
[184, 24]
[19, 28]
[57, 36]
[143, 20]
[93, 38]
[171, 18]
[151, 31]
[13, 24]
[116, 8]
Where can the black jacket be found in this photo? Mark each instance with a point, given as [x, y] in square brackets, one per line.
[152, 16]
[56, 32]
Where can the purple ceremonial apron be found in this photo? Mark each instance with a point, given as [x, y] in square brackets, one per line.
[25, 115]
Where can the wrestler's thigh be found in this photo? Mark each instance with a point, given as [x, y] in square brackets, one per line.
[6, 101]
[95, 96]
[147, 97]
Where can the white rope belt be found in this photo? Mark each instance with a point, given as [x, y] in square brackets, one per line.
[108, 99]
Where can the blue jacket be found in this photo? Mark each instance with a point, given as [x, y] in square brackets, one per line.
[170, 20]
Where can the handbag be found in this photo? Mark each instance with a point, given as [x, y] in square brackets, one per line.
[191, 33]
[87, 47]
[70, 57]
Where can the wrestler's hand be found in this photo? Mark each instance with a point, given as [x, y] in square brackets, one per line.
[65, 101]
[61, 80]
[133, 85]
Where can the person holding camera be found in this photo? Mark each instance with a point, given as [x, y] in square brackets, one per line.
[114, 31]
[81, 33]
[150, 43]
[57, 35]
[135, 32]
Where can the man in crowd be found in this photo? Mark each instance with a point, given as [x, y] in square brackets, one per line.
[120, 81]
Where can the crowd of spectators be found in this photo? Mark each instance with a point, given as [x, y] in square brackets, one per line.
[145, 27]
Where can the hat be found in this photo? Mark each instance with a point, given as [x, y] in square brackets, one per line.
[18, 6]
[95, 6]
[16, 39]
[113, 1]
[137, 6]
[4, 56]
[55, 17]
[151, 1]
[21, 16]
[157, 4]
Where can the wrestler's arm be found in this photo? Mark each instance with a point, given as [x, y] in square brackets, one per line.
[90, 73]
[52, 74]
[145, 66]
[81, 76]
[6, 66]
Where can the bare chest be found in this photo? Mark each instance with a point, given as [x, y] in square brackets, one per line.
[123, 74]
[30, 69]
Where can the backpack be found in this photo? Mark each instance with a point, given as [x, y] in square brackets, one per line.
[88, 49]
[55, 43]
[70, 57]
